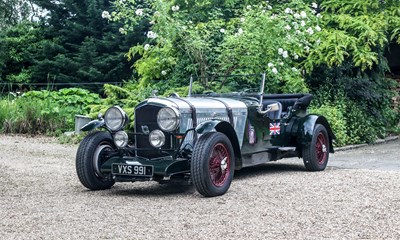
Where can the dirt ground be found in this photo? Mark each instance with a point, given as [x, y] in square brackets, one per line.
[356, 197]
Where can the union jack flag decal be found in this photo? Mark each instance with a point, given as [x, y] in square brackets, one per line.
[274, 129]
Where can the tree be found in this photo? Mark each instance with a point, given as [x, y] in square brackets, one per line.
[18, 44]
[14, 11]
[82, 45]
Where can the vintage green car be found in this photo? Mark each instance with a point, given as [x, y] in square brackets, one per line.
[202, 139]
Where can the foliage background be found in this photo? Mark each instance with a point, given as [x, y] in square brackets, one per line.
[335, 49]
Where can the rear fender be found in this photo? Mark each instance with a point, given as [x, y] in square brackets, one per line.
[306, 129]
[227, 129]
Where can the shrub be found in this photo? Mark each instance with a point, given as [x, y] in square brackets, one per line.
[45, 112]
[335, 115]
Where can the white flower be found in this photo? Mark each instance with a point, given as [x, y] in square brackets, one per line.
[307, 48]
[298, 32]
[175, 8]
[139, 12]
[314, 5]
[285, 54]
[242, 19]
[270, 65]
[248, 7]
[106, 15]
[302, 23]
[146, 47]
[294, 69]
[318, 28]
[296, 15]
[157, 13]
[280, 51]
[319, 15]
[281, 63]
[240, 31]
[269, 7]
[263, 11]
[152, 22]
[303, 14]
[310, 31]
[151, 35]
[318, 41]
[222, 30]
[288, 11]
[273, 16]
[274, 71]
[122, 31]
[313, 11]
[287, 27]
[296, 56]
[163, 72]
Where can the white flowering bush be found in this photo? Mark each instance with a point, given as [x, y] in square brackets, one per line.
[275, 40]
[190, 37]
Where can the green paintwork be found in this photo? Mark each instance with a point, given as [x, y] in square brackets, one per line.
[296, 130]
[227, 129]
[207, 126]
[93, 125]
[307, 124]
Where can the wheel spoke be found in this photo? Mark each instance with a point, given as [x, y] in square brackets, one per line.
[320, 148]
[219, 165]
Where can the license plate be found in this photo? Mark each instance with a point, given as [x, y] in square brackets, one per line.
[132, 170]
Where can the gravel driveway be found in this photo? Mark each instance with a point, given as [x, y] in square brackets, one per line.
[41, 198]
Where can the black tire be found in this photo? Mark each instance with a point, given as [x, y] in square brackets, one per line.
[89, 159]
[316, 155]
[212, 175]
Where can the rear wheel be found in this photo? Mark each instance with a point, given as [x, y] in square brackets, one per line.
[90, 156]
[213, 164]
[316, 155]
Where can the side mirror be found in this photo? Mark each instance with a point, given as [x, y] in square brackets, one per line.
[270, 108]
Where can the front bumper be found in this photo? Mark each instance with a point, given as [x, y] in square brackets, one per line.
[162, 167]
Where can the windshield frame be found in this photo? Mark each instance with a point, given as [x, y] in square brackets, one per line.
[261, 85]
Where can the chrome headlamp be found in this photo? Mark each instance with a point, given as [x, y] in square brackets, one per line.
[157, 138]
[120, 139]
[168, 119]
[115, 118]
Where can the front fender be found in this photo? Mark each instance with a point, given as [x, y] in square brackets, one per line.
[93, 125]
[306, 129]
[227, 129]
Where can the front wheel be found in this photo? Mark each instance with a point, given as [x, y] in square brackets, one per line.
[213, 164]
[316, 155]
[90, 156]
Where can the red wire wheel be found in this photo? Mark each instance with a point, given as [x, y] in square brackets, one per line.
[316, 154]
[320, 148]
[219, 166]
[212, 164]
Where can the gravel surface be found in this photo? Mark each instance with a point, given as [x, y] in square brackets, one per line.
[41, 198]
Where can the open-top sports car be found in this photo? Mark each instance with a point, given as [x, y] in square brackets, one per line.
[202, 139]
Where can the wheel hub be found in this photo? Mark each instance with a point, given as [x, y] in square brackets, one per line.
[224, 164]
